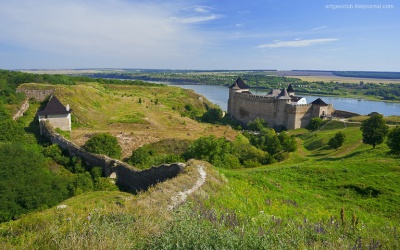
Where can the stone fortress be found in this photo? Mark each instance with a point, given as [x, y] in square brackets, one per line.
[279, 108]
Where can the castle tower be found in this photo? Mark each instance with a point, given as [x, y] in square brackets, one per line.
[237, 86]
[281, 103]
[319, 108]
[290, 90]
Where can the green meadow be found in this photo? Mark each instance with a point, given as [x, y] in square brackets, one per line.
[318, 198]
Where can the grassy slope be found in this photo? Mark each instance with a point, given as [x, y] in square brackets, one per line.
[116, 109]
[292, 204]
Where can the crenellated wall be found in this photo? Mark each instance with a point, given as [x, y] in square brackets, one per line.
[127, 176]
[247, 107]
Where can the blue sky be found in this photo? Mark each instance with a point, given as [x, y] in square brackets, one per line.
[196, 34]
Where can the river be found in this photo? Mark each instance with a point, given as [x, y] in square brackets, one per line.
[219, 95]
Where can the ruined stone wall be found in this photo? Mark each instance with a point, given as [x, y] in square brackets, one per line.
[127, 176]
[37, 94]
[24, 107]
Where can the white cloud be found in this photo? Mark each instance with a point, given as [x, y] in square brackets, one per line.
[320, 28]
[201, 9]
[297, 43]
[196, 19]
[108, 30]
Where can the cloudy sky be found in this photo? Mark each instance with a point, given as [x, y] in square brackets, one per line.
[200, 34]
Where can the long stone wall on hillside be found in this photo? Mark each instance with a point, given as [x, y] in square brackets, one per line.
[127, 176]
[24, 107]
[37, 94]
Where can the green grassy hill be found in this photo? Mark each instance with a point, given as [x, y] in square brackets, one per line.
[320, 198]
[136, 115]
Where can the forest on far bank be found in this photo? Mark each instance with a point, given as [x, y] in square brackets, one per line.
[270, 80]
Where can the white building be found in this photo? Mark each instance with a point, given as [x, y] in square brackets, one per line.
[56, 114]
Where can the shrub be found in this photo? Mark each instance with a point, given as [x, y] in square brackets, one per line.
[212, 115]
[337, 141]
[257, 125]
[314, 124]
[393, 140]
[104, 144]
[289, 143]
[26, 183]
[10, 131]
[145, 157]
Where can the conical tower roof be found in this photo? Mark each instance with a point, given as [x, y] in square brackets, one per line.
[290, 89]
[284, 95]
[240, 84]
[319, 102]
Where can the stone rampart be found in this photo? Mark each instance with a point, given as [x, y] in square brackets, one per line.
[24, 107]
[127, 176]
[37, 94]
[344, 114]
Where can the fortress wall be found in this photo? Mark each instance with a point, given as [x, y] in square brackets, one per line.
[344, 114]
[38, 95]
[127, 176]
[299, 116]
[281, 116]
[248, 107]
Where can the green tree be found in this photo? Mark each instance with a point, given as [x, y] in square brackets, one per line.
[10, 131]
[140, 157]
[104, 144]
[257, 125]
[374, 130]
[217, 151]
[337, 141]
[393, 140]
[314, 124]
[289, 143]
[26, 182]
[212, 115]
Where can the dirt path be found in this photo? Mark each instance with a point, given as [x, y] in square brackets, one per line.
[181, 197]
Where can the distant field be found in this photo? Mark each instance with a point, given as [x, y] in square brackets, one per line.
[340, 79]
[310, 76]
[62, 71]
